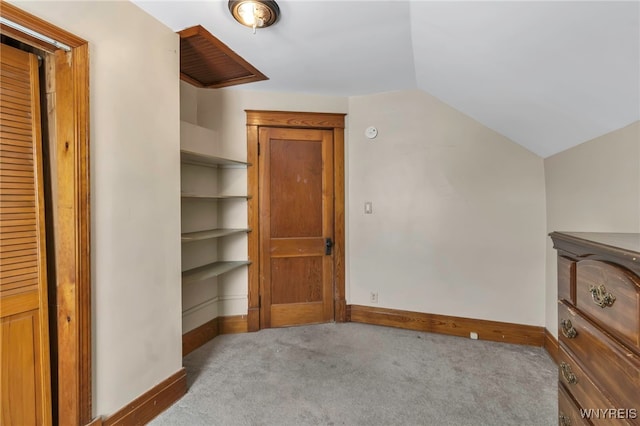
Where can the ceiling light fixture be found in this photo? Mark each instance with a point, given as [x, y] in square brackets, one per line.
[255, 13]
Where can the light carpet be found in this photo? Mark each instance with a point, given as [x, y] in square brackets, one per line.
[358, 374]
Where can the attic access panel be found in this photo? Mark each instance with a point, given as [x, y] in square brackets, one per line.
[207, 62]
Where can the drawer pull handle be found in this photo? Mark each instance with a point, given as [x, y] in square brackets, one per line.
[601, 297]
[568, 375]
[564, 420]
[568, 330]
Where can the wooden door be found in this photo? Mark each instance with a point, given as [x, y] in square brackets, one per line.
[296, 226]
[24, 337]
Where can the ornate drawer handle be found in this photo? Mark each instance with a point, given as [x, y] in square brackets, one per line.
[568, 375]
[568, 330]
[564, 420]
[601, 297]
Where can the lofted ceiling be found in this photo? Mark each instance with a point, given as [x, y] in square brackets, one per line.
[549, 75]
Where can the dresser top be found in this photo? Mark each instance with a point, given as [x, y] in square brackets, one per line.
[629, 242]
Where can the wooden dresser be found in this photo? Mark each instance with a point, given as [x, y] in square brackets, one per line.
[598, 328]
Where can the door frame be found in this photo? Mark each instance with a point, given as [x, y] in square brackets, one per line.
[301, 120]
[70, 154]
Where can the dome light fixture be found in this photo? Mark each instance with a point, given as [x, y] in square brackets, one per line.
[255, 13]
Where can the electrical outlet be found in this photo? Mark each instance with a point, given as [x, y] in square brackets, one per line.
[473, 335]
[373, 297]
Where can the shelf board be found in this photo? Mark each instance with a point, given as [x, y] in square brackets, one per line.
[190, 157]
[211, 270]
[215, 197]
[210, 233]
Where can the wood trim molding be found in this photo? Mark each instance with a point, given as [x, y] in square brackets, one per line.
[315, 120]
[232, 324]
[340, 301]
[551, 345]
[153, 402]
[444, 324]
[192, 340]
[253, 238]
[72, 246]
[96, 422]
[197, 337]
[73, 269]
[19, 16]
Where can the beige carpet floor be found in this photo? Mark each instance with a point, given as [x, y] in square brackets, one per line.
[357, 374]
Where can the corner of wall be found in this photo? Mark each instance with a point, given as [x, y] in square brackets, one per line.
[592, 187]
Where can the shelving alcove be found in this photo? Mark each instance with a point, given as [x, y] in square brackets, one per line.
[207, 213]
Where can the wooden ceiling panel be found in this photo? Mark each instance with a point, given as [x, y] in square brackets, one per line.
[207, 62]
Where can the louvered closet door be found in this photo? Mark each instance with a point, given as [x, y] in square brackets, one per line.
[24, 338]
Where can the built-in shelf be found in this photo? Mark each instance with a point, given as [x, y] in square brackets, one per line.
[206, 182]
[210, 233]
[190, 157]
[211, 270]
[215, 197]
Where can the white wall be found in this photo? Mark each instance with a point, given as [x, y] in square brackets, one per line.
[224, 110]
[593, 187]
[459, 210]
[458, 223]
[135, 207]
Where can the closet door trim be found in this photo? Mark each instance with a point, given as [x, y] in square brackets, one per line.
[71, 154]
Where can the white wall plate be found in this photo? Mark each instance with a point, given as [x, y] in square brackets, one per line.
[371, 132]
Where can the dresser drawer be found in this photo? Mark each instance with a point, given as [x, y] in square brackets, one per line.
[610, 295]
[613, 368]
[583, 390]
[568, 411]
[566, 279]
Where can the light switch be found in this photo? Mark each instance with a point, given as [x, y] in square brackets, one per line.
[368, 207]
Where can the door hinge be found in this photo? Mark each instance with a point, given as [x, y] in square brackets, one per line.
[258, 148]
[259, 301]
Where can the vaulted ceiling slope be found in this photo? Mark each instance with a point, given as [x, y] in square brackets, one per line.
[547, 74]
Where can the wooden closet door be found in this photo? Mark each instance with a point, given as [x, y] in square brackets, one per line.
[24, 337]
[296, 220]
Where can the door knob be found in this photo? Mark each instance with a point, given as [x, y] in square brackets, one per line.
[328, 244]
